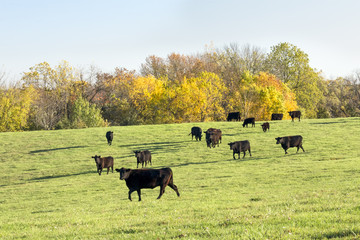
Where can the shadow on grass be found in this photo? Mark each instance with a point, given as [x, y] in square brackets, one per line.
[61, 176]
[340, 234]
[325, 123]
[56, 149]
[143, 146]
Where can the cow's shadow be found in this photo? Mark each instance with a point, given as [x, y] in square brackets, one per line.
[56, 149]
[60, 176]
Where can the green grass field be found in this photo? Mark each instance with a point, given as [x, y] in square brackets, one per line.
[49, 187]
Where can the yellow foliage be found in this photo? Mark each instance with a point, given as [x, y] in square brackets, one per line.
[14, 108]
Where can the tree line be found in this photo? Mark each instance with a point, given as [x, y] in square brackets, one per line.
[179, 88]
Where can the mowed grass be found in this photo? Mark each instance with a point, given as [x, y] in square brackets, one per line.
[49, 187]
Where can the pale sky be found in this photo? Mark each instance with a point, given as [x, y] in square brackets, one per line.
[110, 33]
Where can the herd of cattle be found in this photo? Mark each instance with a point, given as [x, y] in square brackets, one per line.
[137, 179]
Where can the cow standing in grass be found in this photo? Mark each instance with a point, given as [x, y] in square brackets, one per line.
[295, 114]
[276, 116]
[233, 116]
[289, 142]
[249, 120]
[213, 137]
[197, 132]
[240, 146]
[143, 157]
[105, 162]
[265, 126]
[137, 179]
[109, 137]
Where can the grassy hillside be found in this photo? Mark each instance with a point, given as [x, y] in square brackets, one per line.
[49, 187]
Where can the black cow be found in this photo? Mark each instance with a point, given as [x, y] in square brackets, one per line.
[295, 114]
[289, 142]
[105, 162]
[143, 157]
[249, 120]
[233, 115]
[265, 126]
[136, 179]
[240, 146]
[109, 137]
[213, 137]
[197, 132]
[277, 116]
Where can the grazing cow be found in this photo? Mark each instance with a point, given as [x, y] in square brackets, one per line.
[105, 162]
[143, 157]
[240, 146]
[213, 137]
[295, 114]
[197, 132]
[276, 116]
[289, 142]
[109, 137]
[233, 115]
[249, 120]
[265, 126]
[136, 179]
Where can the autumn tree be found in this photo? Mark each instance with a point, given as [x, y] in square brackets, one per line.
[15, 107]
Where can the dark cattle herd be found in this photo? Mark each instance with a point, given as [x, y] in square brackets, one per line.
[137, 179]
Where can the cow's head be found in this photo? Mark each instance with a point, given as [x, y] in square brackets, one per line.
[97, 159]
[290, 113]
[278, 140]
[137, 153]
[124, 173]
[231, 145]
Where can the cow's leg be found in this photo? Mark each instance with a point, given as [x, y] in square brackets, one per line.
[162, 190]
[302, 148]
[137, 165]
[234, 155]
[142, 164]
[250, 152]
[112, 169]
[100, 170]
[130, 191]
[244, 154]
[139, 193]
[173, 186]
[108, 169]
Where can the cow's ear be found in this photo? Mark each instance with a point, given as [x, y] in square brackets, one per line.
[127, 170]
[118, 170]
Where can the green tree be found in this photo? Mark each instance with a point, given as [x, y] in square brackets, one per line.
[83, 115]
[291, 65]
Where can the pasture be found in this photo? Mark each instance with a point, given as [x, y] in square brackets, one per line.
[49, 187]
